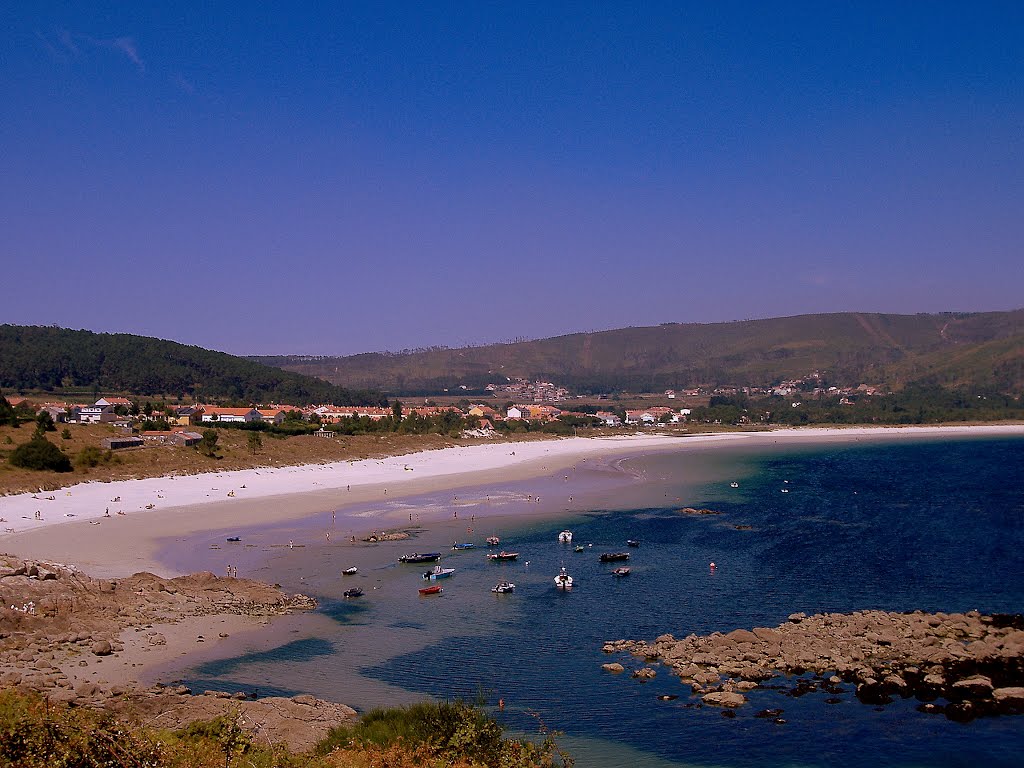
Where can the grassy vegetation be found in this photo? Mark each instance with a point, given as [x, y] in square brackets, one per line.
[90, 463]
[851, 347]
[35, 734]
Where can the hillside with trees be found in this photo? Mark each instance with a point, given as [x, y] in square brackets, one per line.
[59, 360]
[975, 350]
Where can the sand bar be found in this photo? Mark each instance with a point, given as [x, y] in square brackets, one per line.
[112, 528]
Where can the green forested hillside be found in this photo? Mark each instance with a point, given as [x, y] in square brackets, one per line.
[57, 359]
[964, 349]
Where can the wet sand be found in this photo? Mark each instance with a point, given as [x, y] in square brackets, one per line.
[493, 492]
[81, 525]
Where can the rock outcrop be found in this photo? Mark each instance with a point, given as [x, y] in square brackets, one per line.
[974, 662]
[53, 616]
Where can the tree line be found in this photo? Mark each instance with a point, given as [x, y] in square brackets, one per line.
[35, 358]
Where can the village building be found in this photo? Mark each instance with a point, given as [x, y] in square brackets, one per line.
[212, 413]
[96, 414]
[124, 441]
[186, 415]
[172, 437]
[271, 415]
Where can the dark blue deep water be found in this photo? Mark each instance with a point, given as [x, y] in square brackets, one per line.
[937, 526]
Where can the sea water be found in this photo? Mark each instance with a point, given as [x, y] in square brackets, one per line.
[931, 525]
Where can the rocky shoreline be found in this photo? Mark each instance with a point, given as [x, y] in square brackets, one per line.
[57, 624]
[963, 665]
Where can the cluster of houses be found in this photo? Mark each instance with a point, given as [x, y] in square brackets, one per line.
[115, 412]
[525, 390]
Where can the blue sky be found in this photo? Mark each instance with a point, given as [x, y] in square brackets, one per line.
[294, 179]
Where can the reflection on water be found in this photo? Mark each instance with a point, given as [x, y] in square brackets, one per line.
[897, 527]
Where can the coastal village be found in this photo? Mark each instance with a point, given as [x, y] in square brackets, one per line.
[536, 403]
[127, 415]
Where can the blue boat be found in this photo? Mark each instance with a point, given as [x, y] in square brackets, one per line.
[457, 546]
[438, 573]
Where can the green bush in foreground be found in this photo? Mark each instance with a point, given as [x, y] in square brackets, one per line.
[40, 453]
[450, 731]
[36, 734]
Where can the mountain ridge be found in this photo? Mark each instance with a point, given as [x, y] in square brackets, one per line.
[850, 347]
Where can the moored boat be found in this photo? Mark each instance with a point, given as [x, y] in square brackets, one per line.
[438, 573]
[354, 592]
[502, 556]
[493, 541]
[734, 484]
[622, 570]
[434, 590]
[465, 545]
[565, 537]
[416, 557]
[612, 557]
[632, 543]
[563, 580]
[350, 571]
[234, 538]
[578, 548]
[503, 587]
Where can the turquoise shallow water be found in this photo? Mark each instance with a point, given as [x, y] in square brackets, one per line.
[929, 525]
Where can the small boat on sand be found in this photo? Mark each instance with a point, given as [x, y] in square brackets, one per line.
[466, 545]
[502, 557]
[565, 537]
[503, 587]
[438, 573]
[234, 538]
[613, 557]
[434, 590]
[350, 571]
[563, 580]
[632, 543]
[621, 571]
[416, 557]
[493, 541]
[354, 592]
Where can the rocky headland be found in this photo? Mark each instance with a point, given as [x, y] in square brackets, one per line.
[57, 624]
[964, 665]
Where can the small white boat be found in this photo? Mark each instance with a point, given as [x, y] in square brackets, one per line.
[438, 573]
[565, 537]
[563, 580]
[734, 484]
[350, 571]
[493, 541]
[503, 587]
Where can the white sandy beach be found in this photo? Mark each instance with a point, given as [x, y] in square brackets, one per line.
[72, 525]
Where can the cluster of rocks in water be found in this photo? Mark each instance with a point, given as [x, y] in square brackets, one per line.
[54, 618]
[963, 665]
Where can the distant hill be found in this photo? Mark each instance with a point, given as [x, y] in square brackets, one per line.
[63, 360]
[984, 349]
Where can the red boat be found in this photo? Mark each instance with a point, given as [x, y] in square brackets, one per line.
[434, 590]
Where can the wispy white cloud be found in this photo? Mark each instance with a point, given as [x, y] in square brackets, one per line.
[50, 47]
[127, 46]
[180, 82]
[63, 43]
[65, 38]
